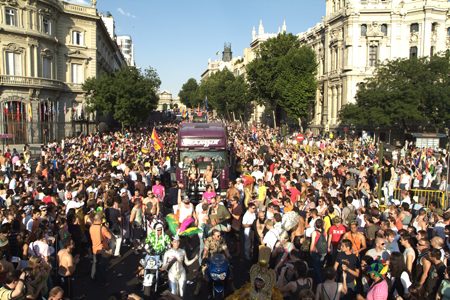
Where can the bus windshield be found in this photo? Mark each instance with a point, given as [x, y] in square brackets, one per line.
[203, 158]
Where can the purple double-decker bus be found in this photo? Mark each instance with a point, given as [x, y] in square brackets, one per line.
[203, 147]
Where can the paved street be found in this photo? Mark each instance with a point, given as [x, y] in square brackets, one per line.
[121, 277]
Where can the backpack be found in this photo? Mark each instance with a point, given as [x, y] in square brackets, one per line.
[321, 245]
[351, 217]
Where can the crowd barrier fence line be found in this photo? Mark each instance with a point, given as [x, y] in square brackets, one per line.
[430, 195]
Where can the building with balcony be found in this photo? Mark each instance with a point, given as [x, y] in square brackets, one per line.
[48, 49]
[125, 44]
[357, 35]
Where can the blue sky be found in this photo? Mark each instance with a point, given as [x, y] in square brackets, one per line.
[176, 37]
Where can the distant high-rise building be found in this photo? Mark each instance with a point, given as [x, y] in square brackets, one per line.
[110, 24]
[125, 44]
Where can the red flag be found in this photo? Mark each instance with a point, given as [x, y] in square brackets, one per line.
[157, 144]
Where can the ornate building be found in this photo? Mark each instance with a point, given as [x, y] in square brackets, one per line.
[167, 102]
[227, 62]
[49, 48]
[357, 35]
[237, 65]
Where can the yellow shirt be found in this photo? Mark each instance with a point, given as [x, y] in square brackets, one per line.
[262, 191]
[327, 221]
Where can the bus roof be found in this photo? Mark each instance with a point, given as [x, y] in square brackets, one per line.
[202, 131]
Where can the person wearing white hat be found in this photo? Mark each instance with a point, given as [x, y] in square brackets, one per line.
[173, 263]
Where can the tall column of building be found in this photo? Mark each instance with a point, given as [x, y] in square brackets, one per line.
[29, 60]
[425, 34]
[35, 60]
[328, 98]
[335, 107]
[339, 101]
[332, 108]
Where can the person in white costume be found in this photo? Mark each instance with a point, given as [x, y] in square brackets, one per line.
[173, 263]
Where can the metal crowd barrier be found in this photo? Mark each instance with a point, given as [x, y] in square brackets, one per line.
[430, 195]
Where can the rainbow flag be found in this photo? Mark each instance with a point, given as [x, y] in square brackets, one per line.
[156, 142]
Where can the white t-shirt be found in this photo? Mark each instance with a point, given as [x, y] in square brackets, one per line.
[29, 224]
[248, 219]
[271, 238]
[376, 255]
[41, 249]
[311, 228]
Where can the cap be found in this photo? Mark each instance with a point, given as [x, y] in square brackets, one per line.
[158, 226]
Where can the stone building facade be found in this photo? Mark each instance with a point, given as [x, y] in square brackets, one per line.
[166, 102]
[48, 49]
[357, 35]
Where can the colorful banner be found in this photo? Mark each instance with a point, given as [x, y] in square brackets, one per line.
[156, 142]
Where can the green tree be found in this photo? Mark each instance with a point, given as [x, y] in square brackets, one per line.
[283, 76]
[189, 93]
[129, 94]
[404, 93]
[227, 94]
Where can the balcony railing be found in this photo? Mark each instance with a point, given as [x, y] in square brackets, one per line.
[31, 82]
[75, 87]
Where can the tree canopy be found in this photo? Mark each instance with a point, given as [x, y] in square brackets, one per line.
[129, 94]
[407, 93]
[284, 75]
[189, 93]
[227, 94]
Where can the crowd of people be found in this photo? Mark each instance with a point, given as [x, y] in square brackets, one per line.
[314, 203]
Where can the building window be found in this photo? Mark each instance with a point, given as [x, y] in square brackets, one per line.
[77, 38]
[363, 30]
[47, 26]
[434, 27]
[13, 63]
[384, 29]
[46, 67]
[77, 73]
[432, 51]
[448, 32]
[11, 16]
[15, 120]
[413, 52]
[414, 28]
[373, 56]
